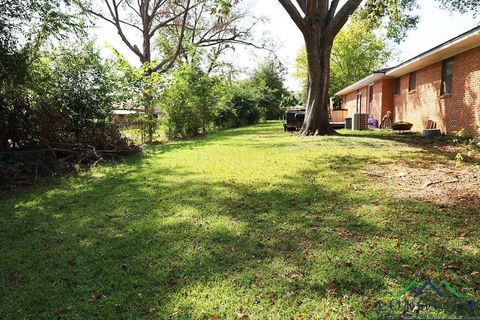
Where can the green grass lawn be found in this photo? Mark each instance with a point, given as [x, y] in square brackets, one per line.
[135, 134]
[248, 223]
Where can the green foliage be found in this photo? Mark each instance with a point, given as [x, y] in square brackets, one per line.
[137, 89]
[289, 101]
[196, 103]
[239, 108]
[25, 25]
[75, 82]
[395, 16]
[268, 79]
[462, 6]
[28, 77]
[188, 102]
[357, 52]
[243, 224]
[63, 93]
[55, 118]
[301, 72]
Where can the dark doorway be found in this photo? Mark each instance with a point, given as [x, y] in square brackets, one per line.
[359, 102]
[370, 98]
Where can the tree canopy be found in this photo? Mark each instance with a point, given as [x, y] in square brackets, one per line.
[178, 27]
[268, 79]
[357, 51]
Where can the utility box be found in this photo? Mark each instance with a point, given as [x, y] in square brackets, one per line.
[348, 123]
[360, 121]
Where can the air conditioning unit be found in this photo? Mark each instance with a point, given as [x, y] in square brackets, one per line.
[360, 121]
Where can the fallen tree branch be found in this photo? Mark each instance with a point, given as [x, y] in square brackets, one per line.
[26, 166]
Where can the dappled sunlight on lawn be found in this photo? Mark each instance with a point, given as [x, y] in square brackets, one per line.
[251, 222]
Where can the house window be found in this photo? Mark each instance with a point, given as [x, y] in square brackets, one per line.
[397, 86]
[447, 76]
[412, 84]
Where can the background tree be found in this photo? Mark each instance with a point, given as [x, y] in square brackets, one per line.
[321, 20]
[358, 50]
[268, 79]
[131, 87]
[73, 83]
[462, 6]
[211, 31]
[25, 26]
[146, 18]
[178, 24]
[189, 102]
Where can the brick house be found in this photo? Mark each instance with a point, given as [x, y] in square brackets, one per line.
[441, 85]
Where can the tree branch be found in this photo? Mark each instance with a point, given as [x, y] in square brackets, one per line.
[117, 23]
[165, 23]
[168, 62]
[332, 10]
[293, 13]
[303, 5]
[341, 18]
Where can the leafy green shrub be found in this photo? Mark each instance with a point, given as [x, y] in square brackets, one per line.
[55, 118]
[137, 88]
[189, 102]
[76, 84]
[245, 104]
[288, 101]
[268, 83]
[238, 108]
[226, 117]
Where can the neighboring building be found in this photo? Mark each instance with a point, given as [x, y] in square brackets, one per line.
[441, 85]
[126, 111]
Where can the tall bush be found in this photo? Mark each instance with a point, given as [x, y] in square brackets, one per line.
[239, 107]
[189, 102]
[268, 81]
[139, 89]
[55, 117]
[72, 85]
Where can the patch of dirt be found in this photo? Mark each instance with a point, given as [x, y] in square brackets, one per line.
[441, 183]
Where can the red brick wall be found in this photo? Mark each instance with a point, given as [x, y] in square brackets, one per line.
[461, 110]
[379, 101]
[387, 97]
[350, 101]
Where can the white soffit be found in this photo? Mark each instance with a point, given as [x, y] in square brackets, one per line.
[447, 50]
[362, 83]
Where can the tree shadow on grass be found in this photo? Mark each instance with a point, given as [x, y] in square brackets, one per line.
[258, 132]
[180, 245]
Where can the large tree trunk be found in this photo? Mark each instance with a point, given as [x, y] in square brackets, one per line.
[317, 117]
[320, 22]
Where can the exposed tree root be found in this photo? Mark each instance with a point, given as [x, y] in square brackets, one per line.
[317, 132]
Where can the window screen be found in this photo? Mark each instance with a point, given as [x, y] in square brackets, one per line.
[447, 76]
[412, 85]
[397, 86]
